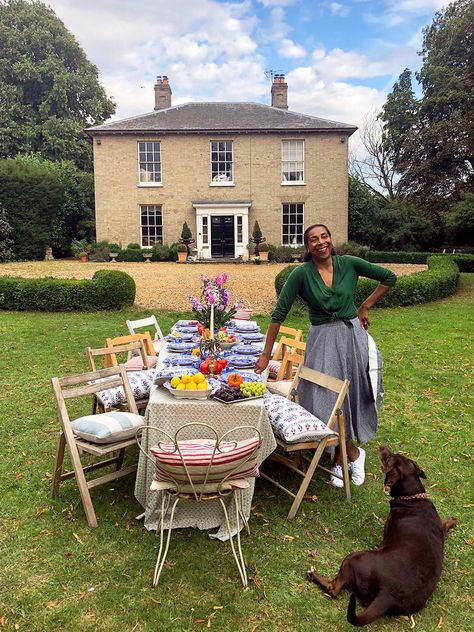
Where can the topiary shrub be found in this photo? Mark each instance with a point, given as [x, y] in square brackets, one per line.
[106, 290]
[439, 281]
[465, 263]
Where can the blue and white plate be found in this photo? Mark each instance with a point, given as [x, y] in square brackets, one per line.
[181, 360]
[180, 347]
[246, 375]
[246, 328]
[242, 362]
[186, 323]
[248, 349]
[188, 329]
[252, 337]
[184, 337]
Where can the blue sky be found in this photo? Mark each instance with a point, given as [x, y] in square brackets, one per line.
[340, 58]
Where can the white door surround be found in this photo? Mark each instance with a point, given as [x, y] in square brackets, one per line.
[240, 212]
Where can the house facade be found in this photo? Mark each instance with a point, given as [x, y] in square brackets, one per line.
[220, 167]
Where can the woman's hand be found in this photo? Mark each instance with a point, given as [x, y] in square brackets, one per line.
[262, 363]
[363, 314]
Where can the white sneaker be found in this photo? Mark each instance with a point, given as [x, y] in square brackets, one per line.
[334, 481]
[357, 468]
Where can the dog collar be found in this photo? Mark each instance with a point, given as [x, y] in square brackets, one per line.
[412, 496]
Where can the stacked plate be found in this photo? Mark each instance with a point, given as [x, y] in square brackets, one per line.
[188, 329]
[180, 347]
[252, 337]
[248, 349]
[242, 361]
[246, 328]
[164, 375]
[183, 336]
[186, 323]
[181, 360]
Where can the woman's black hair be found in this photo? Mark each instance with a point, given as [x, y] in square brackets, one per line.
[308, 256]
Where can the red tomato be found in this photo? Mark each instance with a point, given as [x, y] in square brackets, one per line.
[204, 367]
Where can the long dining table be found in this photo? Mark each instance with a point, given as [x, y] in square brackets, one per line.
[169, 413]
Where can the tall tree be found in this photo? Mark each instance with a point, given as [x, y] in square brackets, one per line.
[50, 91]
[433, 145]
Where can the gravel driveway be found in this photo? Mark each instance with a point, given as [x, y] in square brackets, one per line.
[166, 285]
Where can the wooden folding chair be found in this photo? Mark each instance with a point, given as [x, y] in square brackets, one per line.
[287, 332]
[107, 353]
[131, 364]
[294, 456]
[80, 385]
[293, 356]
[153, 328]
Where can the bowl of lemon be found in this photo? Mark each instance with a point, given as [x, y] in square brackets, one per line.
[190, 386]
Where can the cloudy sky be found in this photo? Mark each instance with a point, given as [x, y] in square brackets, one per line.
[340, 58]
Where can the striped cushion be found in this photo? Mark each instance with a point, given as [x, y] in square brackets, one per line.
[234, 459]
[107, 427]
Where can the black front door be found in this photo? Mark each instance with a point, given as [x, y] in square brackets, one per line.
[222, 236]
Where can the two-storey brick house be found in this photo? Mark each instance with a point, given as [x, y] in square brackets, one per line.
[220, 167]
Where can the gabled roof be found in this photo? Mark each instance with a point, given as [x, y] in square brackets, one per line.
[221, 117]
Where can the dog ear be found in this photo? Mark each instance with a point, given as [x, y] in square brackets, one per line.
[385, 455]
[418, 471]
[392, 475]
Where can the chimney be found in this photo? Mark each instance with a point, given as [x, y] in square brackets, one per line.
[279, 92]
[162, 93]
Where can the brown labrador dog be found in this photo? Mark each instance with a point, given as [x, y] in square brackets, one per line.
[400, 575]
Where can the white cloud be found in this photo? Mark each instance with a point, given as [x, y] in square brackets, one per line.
[339, 9]
[400, 11]
[277, 3]
[339, 64]
[291, 50]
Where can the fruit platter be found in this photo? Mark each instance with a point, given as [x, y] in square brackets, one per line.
[238, 389]
[191, 386]
[226, 339]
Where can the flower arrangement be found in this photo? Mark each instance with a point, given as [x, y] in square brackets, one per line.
[214, 305]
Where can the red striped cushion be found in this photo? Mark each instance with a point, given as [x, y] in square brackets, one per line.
[237, 459]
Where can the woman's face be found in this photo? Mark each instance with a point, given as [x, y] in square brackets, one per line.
[319, 243]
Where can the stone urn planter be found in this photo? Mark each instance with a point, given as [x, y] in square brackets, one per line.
[147, 256]
[83, 257]
[113, 257]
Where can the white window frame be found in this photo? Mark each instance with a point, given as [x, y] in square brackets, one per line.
[143, 173]
[292, 162]
[220, 177]
[294, 242]
[205, 230]
[155, 207]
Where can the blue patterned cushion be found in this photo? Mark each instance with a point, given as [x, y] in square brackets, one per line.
[291, 422]
[107, 427]
[140, 383]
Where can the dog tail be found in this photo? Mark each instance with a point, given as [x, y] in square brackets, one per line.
[376, 609]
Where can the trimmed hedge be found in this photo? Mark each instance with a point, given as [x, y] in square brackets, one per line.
[106, 290]
[465, 262]
[439, 281]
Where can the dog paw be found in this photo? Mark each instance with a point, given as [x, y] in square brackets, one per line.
[310, 574]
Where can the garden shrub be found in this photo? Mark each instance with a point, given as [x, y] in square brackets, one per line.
[439, 281]
[353, 248]
[134, 246]
[106, 290]
[283, 254]
[161, 252]
[131, 254]
[465, 263]
[99, 251]
[379, 256]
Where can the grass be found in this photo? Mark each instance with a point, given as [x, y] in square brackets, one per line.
[56, 574]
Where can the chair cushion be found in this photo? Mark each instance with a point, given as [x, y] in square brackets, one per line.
[136, 363]
[107, 427]
[140, 383]
[291, 422]
[282, 387]
[235, 459]
[274, 366]
[159, 344]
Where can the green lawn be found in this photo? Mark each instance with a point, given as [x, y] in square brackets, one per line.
[56, 574]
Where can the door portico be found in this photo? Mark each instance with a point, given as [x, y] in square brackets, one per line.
[222, 229]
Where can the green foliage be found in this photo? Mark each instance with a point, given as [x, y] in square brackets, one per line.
[100, 251]
[186, 232]
[363, 209]
[439, 281]
[264, 247]
[459, 220]
[78, 247]
[283, 254]
[181, 248]
[465, 263]
[115, 247]
[106, 290]
[256, 233]
[161, 252]
[6, 230]
[50, 91]
[432, 137]
[131, 254]
[31, 195]
[377, 256]
[353, 248]
[134, 246]
[173, 251]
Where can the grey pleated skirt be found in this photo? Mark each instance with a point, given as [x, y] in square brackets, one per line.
[346, 353]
